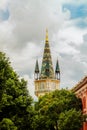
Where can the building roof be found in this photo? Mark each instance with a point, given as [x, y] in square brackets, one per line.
[47, 66]
[80, 84]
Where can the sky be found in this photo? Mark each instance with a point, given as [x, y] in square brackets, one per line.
[23, 26]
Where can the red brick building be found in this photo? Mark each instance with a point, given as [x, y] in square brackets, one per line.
[81, 91]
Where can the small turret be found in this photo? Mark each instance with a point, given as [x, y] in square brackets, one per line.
[57, 71]
[36, 72]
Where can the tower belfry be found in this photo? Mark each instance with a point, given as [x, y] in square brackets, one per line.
[46, 81]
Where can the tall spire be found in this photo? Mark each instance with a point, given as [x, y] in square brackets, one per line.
[47, 66]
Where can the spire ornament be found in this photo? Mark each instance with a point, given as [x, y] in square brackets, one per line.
[46, 35]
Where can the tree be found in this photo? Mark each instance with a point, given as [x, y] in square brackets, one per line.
[70, 120]
[15, 101]
[51, 106]
[7, 124]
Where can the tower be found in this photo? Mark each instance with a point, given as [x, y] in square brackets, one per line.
[46, 81]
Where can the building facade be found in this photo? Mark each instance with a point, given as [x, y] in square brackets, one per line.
[46, 80]
[81, 91]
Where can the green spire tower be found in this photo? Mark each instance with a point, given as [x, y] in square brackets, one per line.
[47, 66]
[46, 81]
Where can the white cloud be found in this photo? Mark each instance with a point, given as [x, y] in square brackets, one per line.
[6, 36]
[28, 21]
[3, 4]
[22, 38]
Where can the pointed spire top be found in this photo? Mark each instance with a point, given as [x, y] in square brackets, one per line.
[47, 70]
[37, 67]
[47, 35]
[57, 67]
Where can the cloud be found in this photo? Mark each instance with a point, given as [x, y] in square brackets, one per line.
[31, 19]
[3, 4]
[30, 86]
[70, 47]
[27, 21]
[22, 37]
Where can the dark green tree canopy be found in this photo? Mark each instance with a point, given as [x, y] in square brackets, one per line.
[15, 101]
[58, 110]
[70, 120]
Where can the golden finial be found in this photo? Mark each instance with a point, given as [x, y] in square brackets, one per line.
[46, 34]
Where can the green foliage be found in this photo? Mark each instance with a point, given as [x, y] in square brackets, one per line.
[15, 102]
[7, 124]
[70, 120]
[53, 107]
[53, 111]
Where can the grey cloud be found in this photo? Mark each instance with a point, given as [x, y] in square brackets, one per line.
[28, 21]
[72, 70]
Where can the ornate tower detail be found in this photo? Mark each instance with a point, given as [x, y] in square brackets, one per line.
[46, 81]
